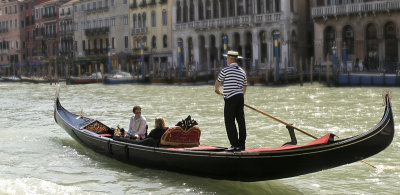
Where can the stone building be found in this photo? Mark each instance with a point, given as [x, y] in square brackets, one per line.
[151, 35]
[46, 35]
[362, 31]
[261, 30]
[101, 35]
[12, 46]
[66, 42]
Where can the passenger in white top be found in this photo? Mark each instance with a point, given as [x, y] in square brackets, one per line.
[138, 124]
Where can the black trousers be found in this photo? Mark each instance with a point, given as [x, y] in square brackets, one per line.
[234, 110]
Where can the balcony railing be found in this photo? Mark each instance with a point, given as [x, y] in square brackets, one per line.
[133, 6]
[4, 30]
[245, 20]
[139, 30]
[152, 2]
[355, 8]
[162, 1]
[49, 36]
[45, 16]
[4, 51]
[97, 31]
[98, 9]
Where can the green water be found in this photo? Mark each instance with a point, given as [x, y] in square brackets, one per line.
[38, 157]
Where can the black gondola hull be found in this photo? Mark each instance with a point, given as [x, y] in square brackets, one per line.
[243, 166]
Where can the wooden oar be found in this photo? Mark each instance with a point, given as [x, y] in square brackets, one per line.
[287, 124]
[283, 122]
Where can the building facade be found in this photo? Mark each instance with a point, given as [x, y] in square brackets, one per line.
[12, 34]
[102, 34]
[261, 30]
[66, 42]
[358, 33]
[151, 34]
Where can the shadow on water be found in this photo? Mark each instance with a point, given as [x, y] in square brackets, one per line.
[176, 181]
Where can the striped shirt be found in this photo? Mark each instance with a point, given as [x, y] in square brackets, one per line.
[234, 78]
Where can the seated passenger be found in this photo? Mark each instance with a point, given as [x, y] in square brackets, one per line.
[138, 125]
[158, 131]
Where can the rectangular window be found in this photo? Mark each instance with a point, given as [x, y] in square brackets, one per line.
[112, 43]
[112, 3]
[113, 21]
[83, 45]
[75, 8]
[94, 5]
[126, 42]
[124, 1]
[125, 20]
[100, 23]
[153, 19]
[83, 7]
[94, 24]
[83, 25]
[106, 22]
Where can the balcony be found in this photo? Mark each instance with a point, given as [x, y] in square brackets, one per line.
[355, 9]
[139, 30]
[50, 36]
[97, 31]
[98, 9]
[143, 4]
[245, 20]
[4, 30]
[67, 32]
[162, 1]
[133, 6]
[152, 2]
[4, 51]
[47, 16]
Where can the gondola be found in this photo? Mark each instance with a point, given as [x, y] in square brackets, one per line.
[251, 164]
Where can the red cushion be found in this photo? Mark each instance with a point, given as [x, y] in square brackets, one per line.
[176, 136]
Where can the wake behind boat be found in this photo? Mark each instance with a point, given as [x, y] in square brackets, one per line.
[216, 162]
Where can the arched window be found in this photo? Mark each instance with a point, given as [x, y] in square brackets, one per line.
[391, 45]
[372, 47]
[144, 19]
[201, 15]
[191, 11]
[139, 21]
[185, 12]
[134, 21]
[215, 9]
[329, 40]
[208, 9]
[348, 39]
[178, 12]
[153, 18]
[164, 18]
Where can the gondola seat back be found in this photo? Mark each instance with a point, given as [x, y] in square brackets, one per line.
[99, 128]
[177, 137]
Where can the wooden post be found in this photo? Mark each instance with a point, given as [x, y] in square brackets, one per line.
[285, 71]
[301, 71]
[320, 70]
[311, 69]
[215, 69]
[328, 64]
[266, 71]
[274, 70]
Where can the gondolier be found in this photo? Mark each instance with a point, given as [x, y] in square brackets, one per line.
[234, 82]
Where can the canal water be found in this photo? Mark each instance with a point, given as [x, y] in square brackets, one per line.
[39, 157]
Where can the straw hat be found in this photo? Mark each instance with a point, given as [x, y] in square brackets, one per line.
[232, 54]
